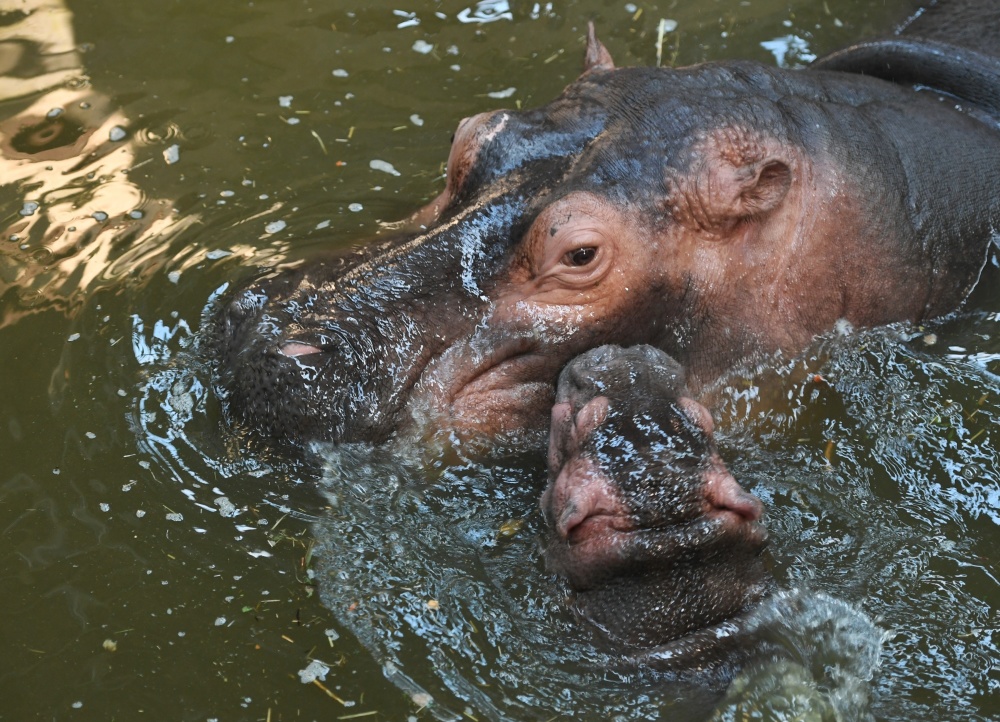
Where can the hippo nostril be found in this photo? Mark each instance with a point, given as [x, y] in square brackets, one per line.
[295, 348]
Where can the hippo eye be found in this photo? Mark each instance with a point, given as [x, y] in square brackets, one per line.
[580, 256]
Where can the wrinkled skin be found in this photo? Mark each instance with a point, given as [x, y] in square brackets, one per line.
[660, 545]
[721, 212]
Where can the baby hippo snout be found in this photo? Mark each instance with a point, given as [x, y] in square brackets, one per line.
[654, 536]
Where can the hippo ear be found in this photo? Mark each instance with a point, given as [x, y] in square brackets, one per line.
[726, 188]
[597, 58]
[735, 193]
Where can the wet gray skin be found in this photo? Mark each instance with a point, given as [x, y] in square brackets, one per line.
[721, 212]
[660, 546]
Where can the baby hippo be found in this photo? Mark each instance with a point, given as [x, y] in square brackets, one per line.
[658, 542]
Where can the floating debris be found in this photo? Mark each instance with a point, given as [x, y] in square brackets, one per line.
[313, 671]
[486, 11]
[384, 167]
[498, 94]
[172, 154]
[226, 508]
[511, 527]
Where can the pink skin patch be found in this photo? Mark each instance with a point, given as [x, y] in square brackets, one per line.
[726, 496]
[294, 348]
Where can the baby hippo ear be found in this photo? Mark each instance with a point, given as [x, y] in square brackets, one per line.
[727, 182]
[597, 58]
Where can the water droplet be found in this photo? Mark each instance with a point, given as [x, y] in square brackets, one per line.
[275, 226]
[135, 215]
[285, 101]
[422, 47]
[29, 208]
[355, 207]
[416, 120]
[99, 216]
[340, 73]
[117, 133]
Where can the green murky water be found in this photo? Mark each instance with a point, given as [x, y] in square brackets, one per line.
[152, 569]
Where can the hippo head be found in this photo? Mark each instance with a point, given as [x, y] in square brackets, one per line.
[652, 533]
[699, 210]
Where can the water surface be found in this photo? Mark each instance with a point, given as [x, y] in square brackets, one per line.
[154, 567]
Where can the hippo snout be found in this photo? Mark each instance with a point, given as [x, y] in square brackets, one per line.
[647, 522]
[613, 369]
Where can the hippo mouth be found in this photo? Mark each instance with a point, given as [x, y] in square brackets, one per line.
[476, 389]
[612, 531]
[598, 528]
[472, 388]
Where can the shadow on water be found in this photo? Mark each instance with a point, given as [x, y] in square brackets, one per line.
[155, 567]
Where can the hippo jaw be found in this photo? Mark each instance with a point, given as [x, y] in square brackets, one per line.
[651, 532]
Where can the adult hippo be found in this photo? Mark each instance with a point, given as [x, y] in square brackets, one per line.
[721, 212]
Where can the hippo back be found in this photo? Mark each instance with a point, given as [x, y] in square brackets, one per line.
[972, 24]
[952, 47]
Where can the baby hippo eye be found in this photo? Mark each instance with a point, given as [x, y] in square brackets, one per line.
[580, 256]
